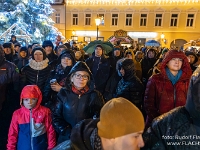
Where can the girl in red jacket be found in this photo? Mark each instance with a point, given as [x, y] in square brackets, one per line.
[31, 127]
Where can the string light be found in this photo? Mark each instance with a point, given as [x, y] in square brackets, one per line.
[128, 2]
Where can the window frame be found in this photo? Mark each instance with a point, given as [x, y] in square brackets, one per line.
[114, 19]
[76, 19]
[143, 18]
[129, 19]
[87, 18]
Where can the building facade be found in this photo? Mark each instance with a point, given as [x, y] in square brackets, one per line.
[172, 24]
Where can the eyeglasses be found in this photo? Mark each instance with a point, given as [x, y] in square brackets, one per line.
[79, 76]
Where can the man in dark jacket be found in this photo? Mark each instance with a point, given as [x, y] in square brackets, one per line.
[100, 67]
[178, 129]
[119, 128]
[9, 95]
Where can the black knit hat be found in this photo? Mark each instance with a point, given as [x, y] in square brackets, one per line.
[17, 44]
[40, 49]
[47, 43]
[80, 66]
[187, 53]
[67, 53]
[99, 45]
[7, 45]
[24, 48]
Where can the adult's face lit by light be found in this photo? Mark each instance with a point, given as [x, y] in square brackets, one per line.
[7, 50]
[98, 52]
[48, 49]
[80, 79]
[38, 56]
[65, 61]
[117, 53]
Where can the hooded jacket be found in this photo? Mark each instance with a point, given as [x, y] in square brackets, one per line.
[161, 95]
[178, 129]
[84, 137]
[71, 108]
[130, 86]
[31, 129]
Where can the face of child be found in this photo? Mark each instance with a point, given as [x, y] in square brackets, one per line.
[30, 103]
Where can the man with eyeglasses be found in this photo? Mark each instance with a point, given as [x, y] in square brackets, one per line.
[100, 68]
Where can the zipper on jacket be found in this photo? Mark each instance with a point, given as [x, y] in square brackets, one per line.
[31, 122]
[37, 77]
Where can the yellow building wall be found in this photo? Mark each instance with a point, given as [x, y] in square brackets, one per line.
[171, 33]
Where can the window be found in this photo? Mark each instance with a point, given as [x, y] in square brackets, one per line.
[57, 15]
[87, 19]
[87, 39]
[114, 19]
[75, 19]
[174, 20]
[143, 20]
[101, 16]
[128, 19]
[190, 20]
[74, 38]
[158, 20]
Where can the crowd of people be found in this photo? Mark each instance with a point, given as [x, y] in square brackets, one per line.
[52, 93]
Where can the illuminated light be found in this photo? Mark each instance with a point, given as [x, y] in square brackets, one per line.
[73, 32]
[162, 36]
[128, 2]
[142, 34]
[97, 21]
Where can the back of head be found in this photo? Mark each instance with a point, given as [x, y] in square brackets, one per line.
[119, 117]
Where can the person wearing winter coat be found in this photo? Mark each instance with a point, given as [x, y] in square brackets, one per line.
[37, 71]
[59, 75]
[49, 50]
[9, 95]
[116, 55]
[77, 101]
[192, 58]
[13, 39]
[147, 63]
[100, 68]
[130, 86]
[22, 59]
[180, 128]
[31, 126]
[168, 89]
[120, 127]
[9, 51]
[9, 75]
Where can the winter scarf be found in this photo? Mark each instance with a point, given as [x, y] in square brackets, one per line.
[173, 78]
[80, 92]
[38, 65]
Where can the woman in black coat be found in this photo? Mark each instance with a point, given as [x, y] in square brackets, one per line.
[58, 77]
[36, 72]
[130, 86]
[77, 101]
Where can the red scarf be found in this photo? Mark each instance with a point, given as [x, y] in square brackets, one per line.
[80, 92]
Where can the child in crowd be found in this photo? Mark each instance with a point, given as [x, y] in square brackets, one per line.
[31, 127]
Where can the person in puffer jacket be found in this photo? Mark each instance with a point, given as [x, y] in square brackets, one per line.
[31, 127]
[168, 89]
[130, 86]
[178, 129]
